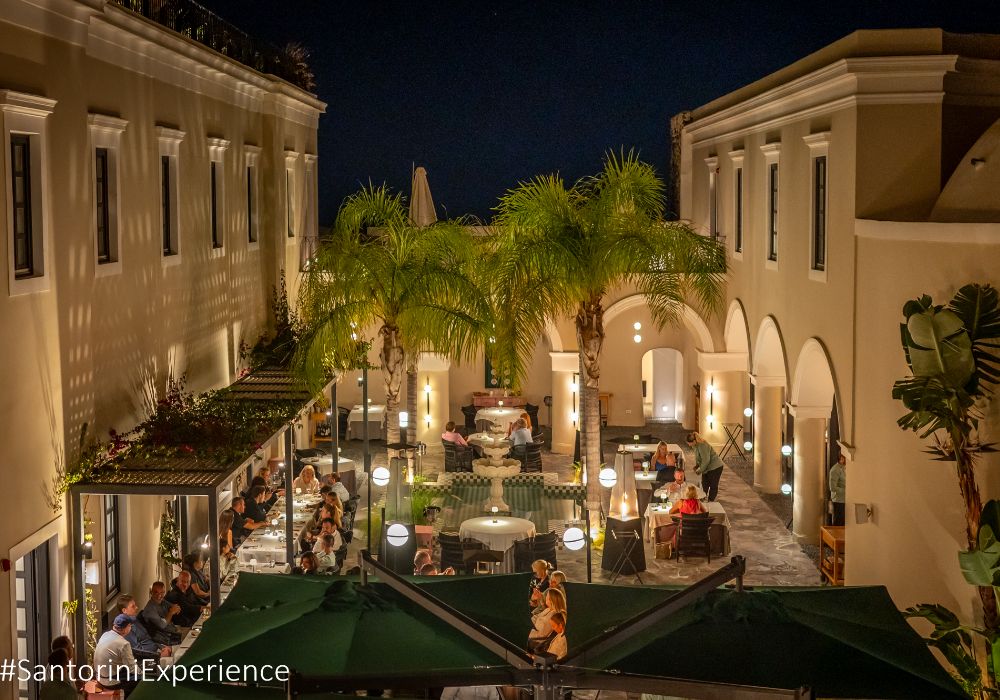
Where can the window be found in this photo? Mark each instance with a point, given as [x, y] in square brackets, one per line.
[713, 196]
[105, 141]
[101, 202]
[819, 214]
[251, 224]
[772, 215]
[112, 552]
[23, 163]
[166, 208]
[252, 155]
[738, 211]
[170, 231]
[20, 181]
[290, 215]
[216, 243]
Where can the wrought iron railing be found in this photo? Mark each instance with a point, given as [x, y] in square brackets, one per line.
[204, 26]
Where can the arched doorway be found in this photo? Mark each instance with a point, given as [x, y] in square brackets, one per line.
[662, 384]
[770, 380]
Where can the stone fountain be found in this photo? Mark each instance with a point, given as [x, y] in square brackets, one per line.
[495, 467]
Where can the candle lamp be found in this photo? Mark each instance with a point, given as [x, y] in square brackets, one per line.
[495, 510]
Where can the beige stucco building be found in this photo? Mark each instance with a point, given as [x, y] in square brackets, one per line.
[154, 191]
[844, 185]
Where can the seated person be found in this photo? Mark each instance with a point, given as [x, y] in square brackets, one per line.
[555, 601]
[338, 489]
[57, 685]
[242, 525]
[326, 553]
[332, 501]
[308, 565]
[520, 435]
[539, 584]
[256, 510]
[689, 505]
[227, 560]
[557, 645]
[527, 423]
[449, 434]
[158, 615]
[194, 563]
[143, 645]
[677, 488]
[182, 595]
[306, 482]
[420, 560]
[113, 659]
[429, 569]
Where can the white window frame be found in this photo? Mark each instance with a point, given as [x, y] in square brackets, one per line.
[739, 213]
[251, 156]
[106, 132]
[25, 115]
[712, 163]
[772, 156]
[170, 146]
[48, 534]
[217, 154]
[312, 214]
[819, 147]
[290, 208]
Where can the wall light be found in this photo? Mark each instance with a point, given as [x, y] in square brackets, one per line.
[361, 380]
[863, 513]
[664, 408]
[747, 411]
[786, 489]
[574, 416]
[747, 445]
[574, 386]
[637, 338]
[637, 326]
[427, 388]
[786, 450]
[710, 418]
[710, 389]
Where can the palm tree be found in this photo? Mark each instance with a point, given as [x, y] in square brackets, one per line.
[572, 246]
[379, 270]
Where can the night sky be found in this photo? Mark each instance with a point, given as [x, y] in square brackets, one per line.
[484, 94]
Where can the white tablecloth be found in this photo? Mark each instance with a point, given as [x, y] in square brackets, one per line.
[324, 465]
[499, 416]
[499, 536]
[662, 490]
[657, 515]
[376, 422]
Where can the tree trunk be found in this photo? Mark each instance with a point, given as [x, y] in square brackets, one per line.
[973, 509]
[590, 338]
[393, 365]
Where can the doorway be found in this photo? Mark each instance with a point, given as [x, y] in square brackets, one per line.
[662, 385]
[32, 602]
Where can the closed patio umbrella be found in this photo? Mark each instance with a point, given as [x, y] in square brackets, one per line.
[422, 211]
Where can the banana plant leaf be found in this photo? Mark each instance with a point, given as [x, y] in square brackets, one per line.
[941, 347]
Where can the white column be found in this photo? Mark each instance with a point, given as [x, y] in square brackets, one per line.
[810, 463]
[432, 371]
[564, 366]
[767, 436]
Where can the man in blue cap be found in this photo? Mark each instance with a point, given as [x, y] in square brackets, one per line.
[116, 667]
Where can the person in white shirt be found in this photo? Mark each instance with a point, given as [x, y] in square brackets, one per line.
[306, 481]
[116, 667]
[337, 488]
[326, 554]
[520, 435]
[557, 647]
[555, 601]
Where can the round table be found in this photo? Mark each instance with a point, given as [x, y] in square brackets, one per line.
[498, 533]
[499, 416]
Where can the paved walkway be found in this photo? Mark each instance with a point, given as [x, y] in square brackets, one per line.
[773, 557]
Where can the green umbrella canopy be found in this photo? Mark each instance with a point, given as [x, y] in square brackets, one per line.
[321, 626]
[841, 642]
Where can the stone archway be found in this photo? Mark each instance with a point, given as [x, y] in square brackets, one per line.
[689, 317]
[813, 397]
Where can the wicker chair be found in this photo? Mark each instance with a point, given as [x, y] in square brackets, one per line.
[692, 535]
[532, 457]
[457, 458]
[470, 417]
[544, 547]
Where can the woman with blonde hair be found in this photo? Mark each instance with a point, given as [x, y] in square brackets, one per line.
[555, 601]
[689, 505]
[539, 582]
[306, 480]
[707, 463]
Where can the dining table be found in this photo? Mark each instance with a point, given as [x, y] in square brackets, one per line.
[658, 514]
[501, 417]
[265, 547]
[498, 533]
[376, 422]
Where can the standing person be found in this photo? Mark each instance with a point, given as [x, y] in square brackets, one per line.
[706, 463]
[838, 488]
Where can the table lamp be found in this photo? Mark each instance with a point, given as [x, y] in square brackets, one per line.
[495, 510]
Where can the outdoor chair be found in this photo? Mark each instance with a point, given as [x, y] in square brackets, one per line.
[457, 458]
[520, 453]
[544, 547]
[470, 417]
[692, 535]
[523, 556]
[352, 505]
[459, 555]
[532, 411]
[532, 457]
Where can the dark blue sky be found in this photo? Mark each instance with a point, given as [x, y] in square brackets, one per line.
[484, 94]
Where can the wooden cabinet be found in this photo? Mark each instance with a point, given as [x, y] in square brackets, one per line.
[831, 554]
[320, 430]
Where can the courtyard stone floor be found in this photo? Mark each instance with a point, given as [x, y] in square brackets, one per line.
[757, 532]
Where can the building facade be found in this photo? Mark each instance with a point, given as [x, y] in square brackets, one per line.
[155, 191]
[844, 185]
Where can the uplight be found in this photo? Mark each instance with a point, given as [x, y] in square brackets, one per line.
[607, 477]
[397, 535]
[574, 538]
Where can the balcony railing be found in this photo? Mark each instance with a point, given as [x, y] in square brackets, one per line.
[204, 26]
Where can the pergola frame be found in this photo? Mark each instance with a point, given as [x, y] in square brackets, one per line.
[135, 478]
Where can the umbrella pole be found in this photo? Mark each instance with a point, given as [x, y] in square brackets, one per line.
[367, 453]
[586, 520]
